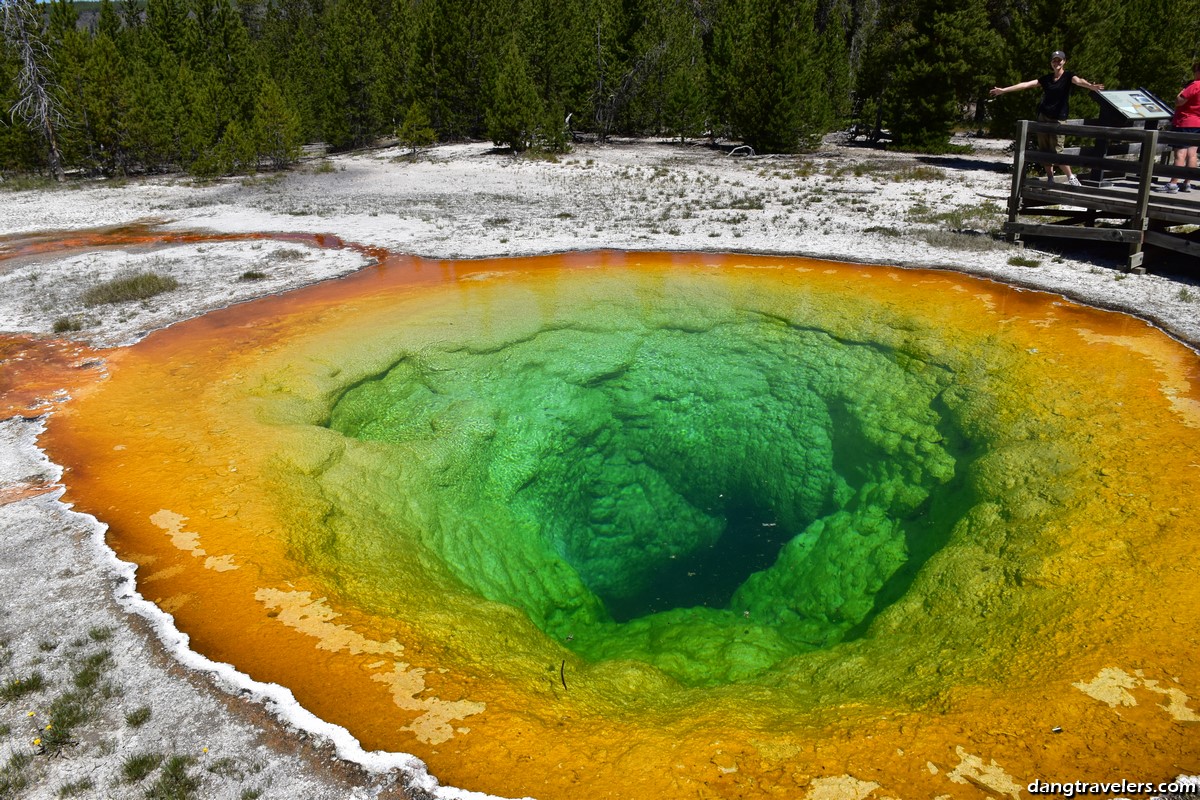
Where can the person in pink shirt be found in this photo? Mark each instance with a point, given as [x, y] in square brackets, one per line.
[1186, 120]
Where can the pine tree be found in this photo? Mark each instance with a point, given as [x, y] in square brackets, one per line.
[155, 114]
[685, 110]
[938, 71]
[108, 23]
[70, 53]
[439, 63]
[516, 110]
[238, 151]
[276, 129]
[833, 20]
[353, 113]
[775, 98]
[416, 131]
[558, 43]
[168, 21]
[64, 18]
[105, 106]
[292, 55]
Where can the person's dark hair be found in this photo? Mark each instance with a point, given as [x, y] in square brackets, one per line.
[1196, 66]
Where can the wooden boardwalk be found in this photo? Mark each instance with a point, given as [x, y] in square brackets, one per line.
[1115, 203]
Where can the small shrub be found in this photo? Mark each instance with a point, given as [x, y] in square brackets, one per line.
[252, 275]
[251, 794]
[1023, 261]
[138, 717]
[287, 254]
[955, 240]
[883, 230]
[749, 202]
[19, 687]
[1187, 295]
[100, 634]
[137, 767]
[122, 289]
[67, 324]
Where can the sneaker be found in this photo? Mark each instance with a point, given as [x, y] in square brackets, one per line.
[1073, 181]
[1165, 187]
[1185, 187]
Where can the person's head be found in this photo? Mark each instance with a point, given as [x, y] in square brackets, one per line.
[1058, 59]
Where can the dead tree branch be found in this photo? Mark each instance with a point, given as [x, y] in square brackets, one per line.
[36, 104]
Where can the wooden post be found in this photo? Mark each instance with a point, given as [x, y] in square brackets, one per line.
[1014, 198]
[1140, 219]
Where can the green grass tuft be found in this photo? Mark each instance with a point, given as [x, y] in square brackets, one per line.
[1023, 261]
[14, 775]
[138, 717]
[93, 667]
[138, 286]
[175, 781]
[137, 767]
[75, 787]
[19, 687]
[252, 275]
[227, 767]
[67, 324]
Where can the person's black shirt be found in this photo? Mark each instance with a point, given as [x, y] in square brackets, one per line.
[1056, 95]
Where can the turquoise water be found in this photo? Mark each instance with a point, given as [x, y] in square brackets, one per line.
[638, 490]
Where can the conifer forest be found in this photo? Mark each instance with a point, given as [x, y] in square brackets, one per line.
[219, 87]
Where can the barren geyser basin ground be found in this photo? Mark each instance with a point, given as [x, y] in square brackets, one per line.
[675, 525]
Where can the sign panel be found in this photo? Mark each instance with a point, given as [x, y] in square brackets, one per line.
[1136, 104]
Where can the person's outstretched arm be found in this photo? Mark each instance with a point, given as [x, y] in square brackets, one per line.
[1086, 84]
[1016, 87]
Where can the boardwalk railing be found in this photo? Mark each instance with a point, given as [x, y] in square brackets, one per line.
[1118, 172]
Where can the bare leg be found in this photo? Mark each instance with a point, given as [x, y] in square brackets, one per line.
[1181, 158]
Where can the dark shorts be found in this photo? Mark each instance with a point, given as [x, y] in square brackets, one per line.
[1050, 142]
[1180, 129]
